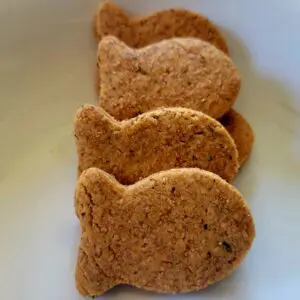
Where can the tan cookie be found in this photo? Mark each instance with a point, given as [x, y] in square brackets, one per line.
[154, 141]
[182, 72]
[241, 132]
[175, 231]
[110, 19]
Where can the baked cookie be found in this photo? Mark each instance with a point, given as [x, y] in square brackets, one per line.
[158, 140]
[176, 231]
[110, 19]
[183, 72]
[241, 132]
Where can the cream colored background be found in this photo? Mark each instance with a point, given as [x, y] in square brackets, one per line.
[47, 57]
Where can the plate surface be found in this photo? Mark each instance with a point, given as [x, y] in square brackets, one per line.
[47, 57]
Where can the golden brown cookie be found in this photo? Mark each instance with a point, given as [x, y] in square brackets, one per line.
[176, 231]
[183, 72]
[154, 141]
[110, 19]
[241, 132]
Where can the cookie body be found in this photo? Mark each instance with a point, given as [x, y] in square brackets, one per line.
[241, 132]
[183, 72]
[110, 19]
[154, 141]
[176, 231]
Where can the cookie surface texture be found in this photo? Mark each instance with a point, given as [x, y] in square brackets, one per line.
[176, 231]
[110, 19]
[182, 72]
[158, 140]
[241, 132]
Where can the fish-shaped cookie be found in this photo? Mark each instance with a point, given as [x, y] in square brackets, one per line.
[183, 72]
[175, 231]
[158, 140]
[138, 32]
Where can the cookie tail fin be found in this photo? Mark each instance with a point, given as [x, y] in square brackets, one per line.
[112, 48]
[113, 56]
[110, 19]
[96, 191]
[93, 124]
[90, 278]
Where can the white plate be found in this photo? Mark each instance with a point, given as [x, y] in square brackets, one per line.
[47, 56]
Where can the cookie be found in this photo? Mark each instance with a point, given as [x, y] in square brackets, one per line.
[110, 19]
[175, 231]
[158, 140]
[241, 132]
[183, 72]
